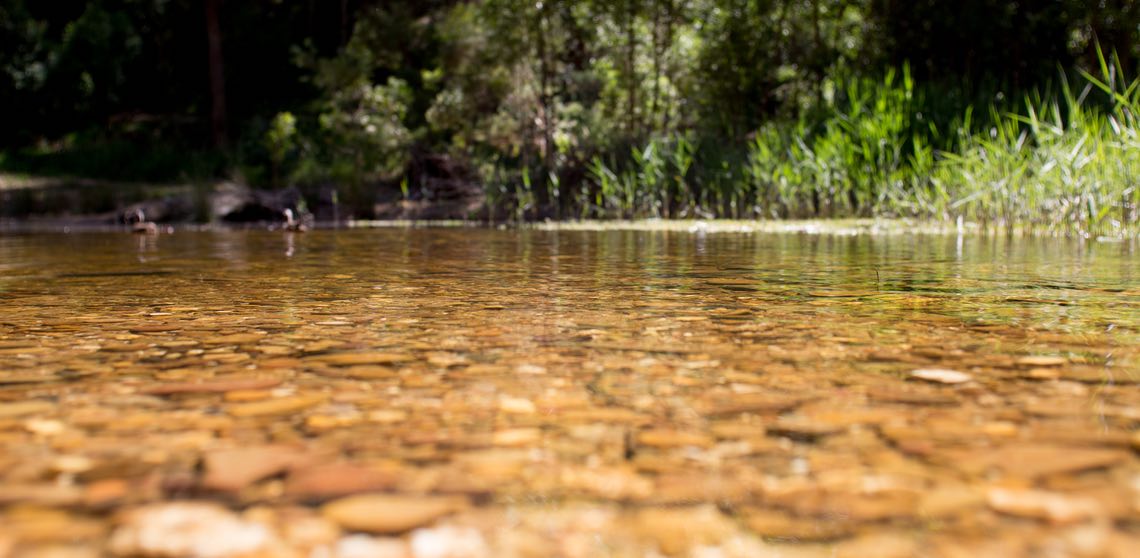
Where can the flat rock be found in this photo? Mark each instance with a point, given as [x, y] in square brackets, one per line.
[615, 483]
[1053, 507]
[235, 339]
[675, 530]
[666, 438]
[364, 546]
[214, 385]
[760, 403]
[516, 437]
[941, 376]
[601, 414]
[879, 545]
[1041, 360]
[190, 529]
[449, 542]
[1033, 461]
[801, 428]
[43, 494]
[337, 479]
[27, 378]
[775, 524]
[948, 501]
[231, 470]
[355, 359]
[280, 406]
[25, 408]
[358, 372]
[390, 513]
[913, 396]
[517, 406]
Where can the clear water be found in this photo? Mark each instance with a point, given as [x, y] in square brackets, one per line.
[760, 383]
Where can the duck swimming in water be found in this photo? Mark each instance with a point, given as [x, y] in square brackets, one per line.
[141, 225]
[292, 224]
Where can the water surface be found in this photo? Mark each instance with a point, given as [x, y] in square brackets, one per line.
[596, 393]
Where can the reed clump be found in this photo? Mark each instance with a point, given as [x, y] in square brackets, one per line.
[1062, 163]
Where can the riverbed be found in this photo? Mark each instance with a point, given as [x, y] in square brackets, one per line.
[470, 392]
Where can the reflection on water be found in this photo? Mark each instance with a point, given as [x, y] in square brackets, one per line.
[607, 393]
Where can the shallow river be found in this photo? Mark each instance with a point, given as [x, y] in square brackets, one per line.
[472, 392]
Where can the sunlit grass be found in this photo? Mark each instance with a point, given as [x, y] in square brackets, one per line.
[1063, 164]
[1066, 163]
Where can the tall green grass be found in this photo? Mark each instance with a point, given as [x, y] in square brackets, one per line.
[1064, 162]
[1068, 163]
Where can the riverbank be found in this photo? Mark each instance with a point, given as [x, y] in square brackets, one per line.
[47, 204]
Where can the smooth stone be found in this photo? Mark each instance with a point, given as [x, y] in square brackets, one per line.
[364, 546]
[37, 525]
[801, 428]
[611, 483]
[1033, 461]
[685, 487]
[948, 501]
[601, 414]
[676, 530]
[24, 408]
[662, 438]
[879, 545]
[368, 372]
[106, 492]
[278, 406]
[230, 470]
[748, 403]
[337, 479]
[941, 376]
[910, 396]
[26, 378]
[235, 339]
[197, 529]
[355, 359]
[306, 530]
[448, 542]
[247, 395]
[43, 494]
[61, 550]
[388, 416]
[390, 513]
[770, 523]
[1041, 360]
[1056, 508]
[517, 406]
[516, 437]
[213, 385]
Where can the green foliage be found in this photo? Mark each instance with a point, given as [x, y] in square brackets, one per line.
[280, 140]
[363, 125]
[1061, 164]
[625, 108]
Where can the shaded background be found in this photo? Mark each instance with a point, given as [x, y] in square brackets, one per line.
[426, 96]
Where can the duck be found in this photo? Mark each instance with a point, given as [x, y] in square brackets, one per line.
[292, 224]
[141, 225]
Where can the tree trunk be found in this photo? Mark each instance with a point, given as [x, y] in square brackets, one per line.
[668, 69]
[817, 56]
[631, 70]
[217, 79]
[543, 94]
[656, 63]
